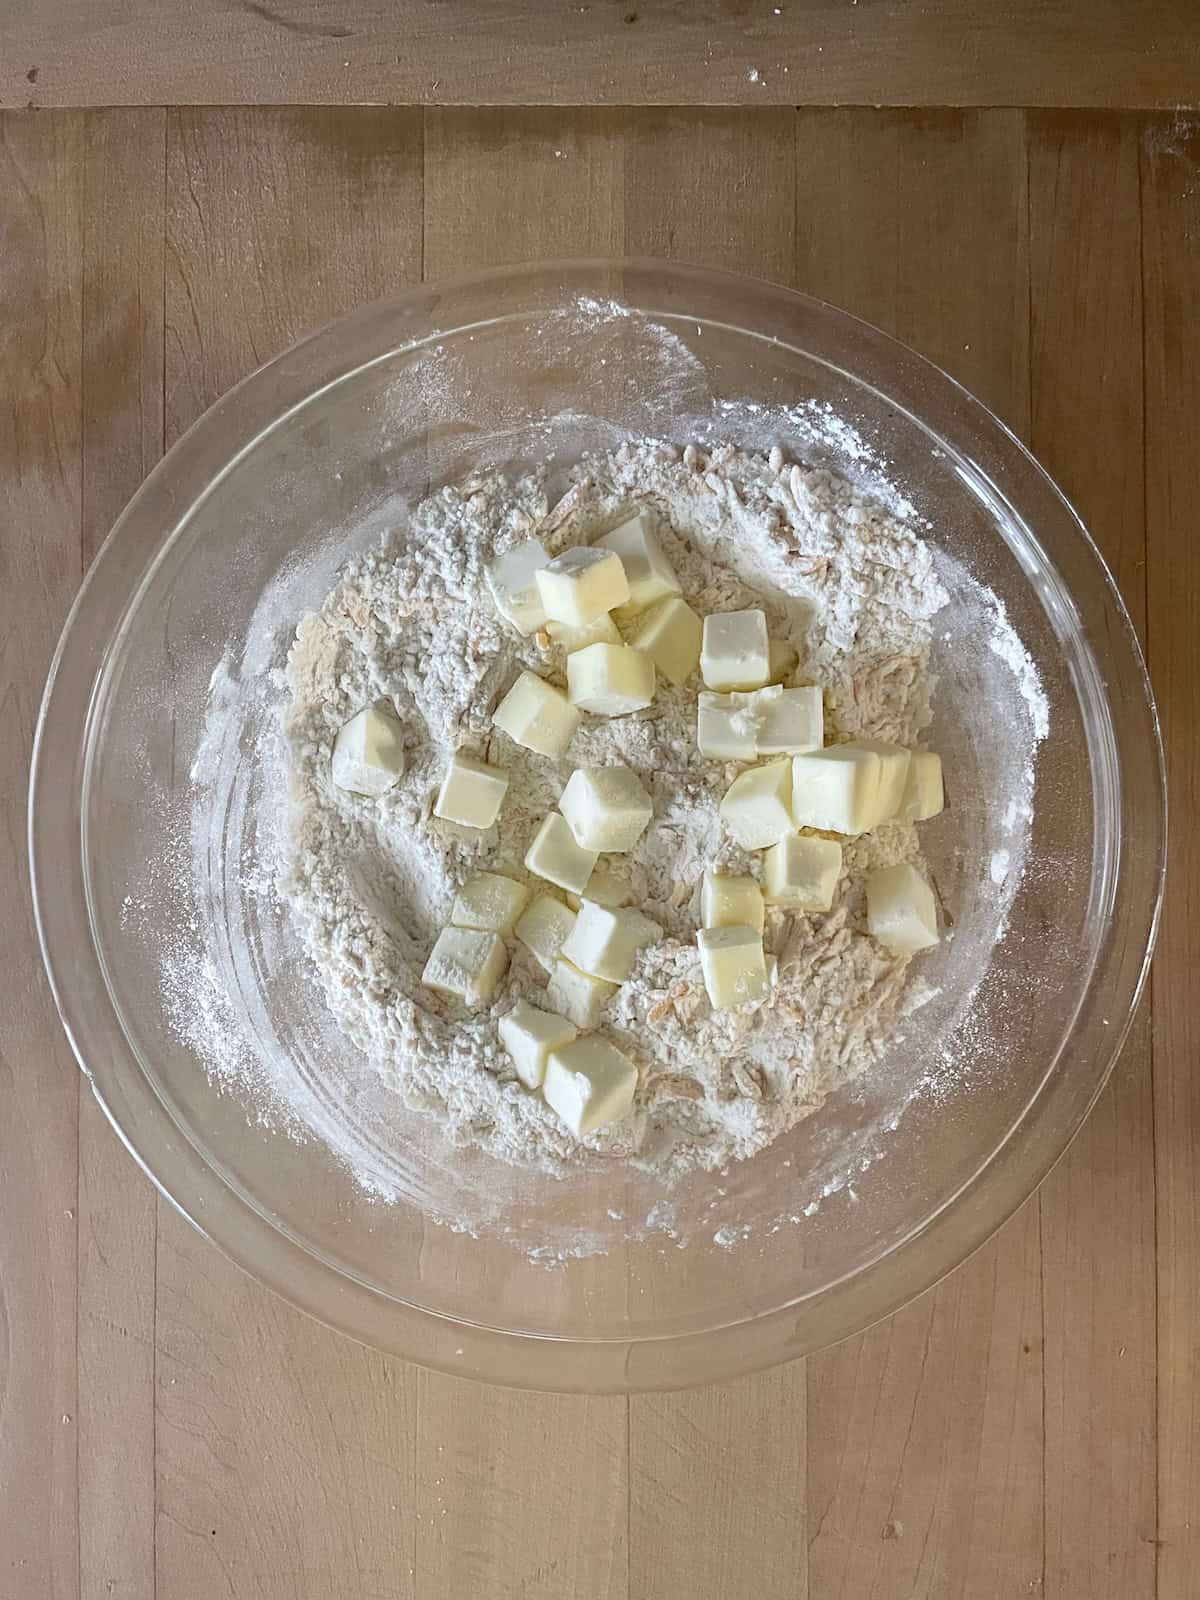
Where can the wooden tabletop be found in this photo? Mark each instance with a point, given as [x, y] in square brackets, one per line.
[1032, 1426]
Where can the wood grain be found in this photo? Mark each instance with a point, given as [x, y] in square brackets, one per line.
[925, 1473]
[1171, 257]
[41, 260]
[1097, 1207]
[609, 52]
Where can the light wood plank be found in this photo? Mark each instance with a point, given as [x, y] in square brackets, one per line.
[459, 52]
[520, 1495]
[285, 1460]
[121, 441]
[717, 1475]
[1097, 1207]
[40, 320]
[925, 1434]
[1171, 257]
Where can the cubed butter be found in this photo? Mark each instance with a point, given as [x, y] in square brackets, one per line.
[733, 964]
[802, 873]
[578, 995]
[789, 720]
[669, 633]
[610, 679]
[836, 789]
[607, 807]
[368, 753]
[647, 570]
[471, 793]
[607, 887]
[726, 726]
[489, 903]
[605, 940]
[734, 651]
[537, 715]
[894, 762]
[529, 1035]
[581, 585]
[590, 1084]
[924, 796]
[731, 900]
[901, 910]
[570, 636]
[782, 660]
[544, 928]
[557, 856]
[466, 964]
[757, 805]
[512, 578]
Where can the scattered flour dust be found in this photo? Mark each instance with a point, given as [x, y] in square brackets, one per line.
[851, 585]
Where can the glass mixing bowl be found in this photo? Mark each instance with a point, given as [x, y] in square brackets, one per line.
[181, 986]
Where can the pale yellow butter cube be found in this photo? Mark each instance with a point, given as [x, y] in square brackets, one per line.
[489, 903]
[649, 573]
[802, 873]
[836, 789]
[605, 940]
[529, 1035]
[607, 887]
[733, 964]
[557, 856]
[607, 807]
[789, 720]
[735, 652]
[757, 805]
[368, 753]
[894, 763]
[578, 995]
[590, 1084]
[570, 636]
[580, 585]
[610, 680]
[901, 910]
[727, 726]
[512, 579]
[782, 660]
[466, 965]
[924, 796]
[544, 928]
[669, 633]
[731, 900]
[471, 793]
[537, 715]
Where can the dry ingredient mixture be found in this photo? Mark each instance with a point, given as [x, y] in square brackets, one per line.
[369, 882]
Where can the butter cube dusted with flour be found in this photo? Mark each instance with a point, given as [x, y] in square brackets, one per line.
[670, 634]
[733, 964]
[726, 726]
[802, 873]
[924, 796]
[368, 753]
[605, 940]
[557, 856]
[901, 910]
[466, 965]
[590, 1084]
[607, 807]
[757, 805]
[512, 579]
[607, 887]
[544, 928]
[789, 720]
[489, 903]
[581, 585]
[731, 900]
[471, 793]
[647, 570]
[894, 762]
[529, 1035]
[537, 716]
[836, 789]
[610, 680]
[578, 995]
[734, 651]
[571, 637]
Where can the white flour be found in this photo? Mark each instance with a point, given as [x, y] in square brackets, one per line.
[369, 883]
